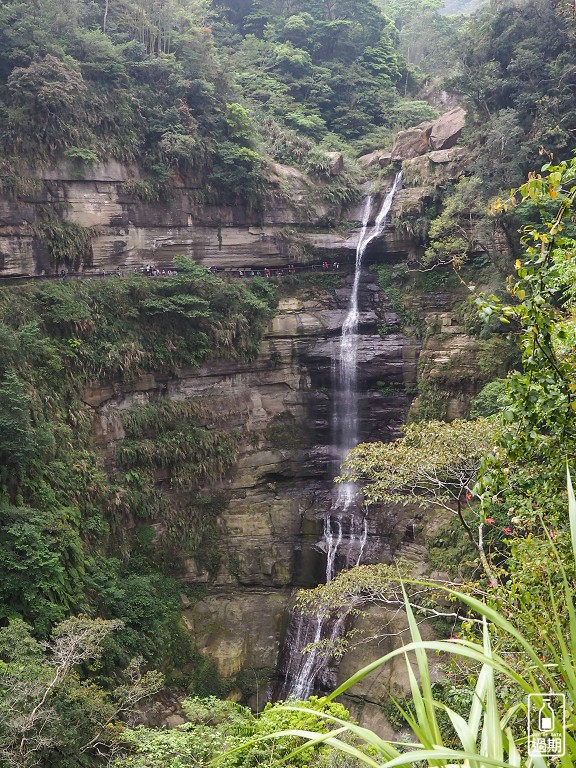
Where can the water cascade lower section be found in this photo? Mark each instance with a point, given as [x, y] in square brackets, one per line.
[345, 525]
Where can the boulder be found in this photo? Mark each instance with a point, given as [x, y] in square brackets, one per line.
[410, 143]
[378, 157]
[441, 156]
[436, 167]
[336, 162]
[174, 721]
[446, 129]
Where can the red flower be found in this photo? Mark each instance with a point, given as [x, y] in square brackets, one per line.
[489, 520]
[468, 496]
[507, 530]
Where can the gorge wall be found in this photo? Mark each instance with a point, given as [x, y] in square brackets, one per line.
[279, 489]
[127, 231]
[414, 354]
[109, 215]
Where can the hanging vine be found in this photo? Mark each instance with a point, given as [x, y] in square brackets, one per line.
[68, 243]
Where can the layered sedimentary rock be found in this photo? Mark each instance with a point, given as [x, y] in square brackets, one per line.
[280, 487]
[126, 229]
[281, 403]
[277, 490]
[130, 232]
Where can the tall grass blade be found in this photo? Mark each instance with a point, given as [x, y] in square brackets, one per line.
[364, 733]
[491, 744]
[457, 647]
[330, 740]
[463, 731]
[514, 757]
[425, 708]
[571, 511]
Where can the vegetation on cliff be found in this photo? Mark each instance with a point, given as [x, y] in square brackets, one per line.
[513, 64]
[212, 94]
[516, 485]
[76, 531]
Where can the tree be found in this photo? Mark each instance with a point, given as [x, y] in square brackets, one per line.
[16, 434]
[459, 231]
[542, 405]
[434, 463]
[217, 726]
[50, 93]
[41, 564]
[45, 708]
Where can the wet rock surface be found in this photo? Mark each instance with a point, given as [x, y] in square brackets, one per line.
[280, 487]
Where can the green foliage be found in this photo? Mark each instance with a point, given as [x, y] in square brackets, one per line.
[506, 665]
[434, 462]
[426, 39]
[16, 441]
[164, 440]
[397, 285]
[540, 409]
[205, 679]
[148, 190]
[147, 604]
[239, 170]
[459, 230]
[275, 718]
[490, 400]
[412, 112]
[49, 714]
[66, 242]
[214, 724]
[432, 401]
[520, 83]
[311, 67]
[169, 749]
[311, 282]
[62, 516]
[449, 551]
[217, 726]
[41, 565]
[81, 155]
[101, 327]
[206, 453]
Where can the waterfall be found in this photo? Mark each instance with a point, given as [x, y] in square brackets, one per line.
[345, 531]
[345, 414]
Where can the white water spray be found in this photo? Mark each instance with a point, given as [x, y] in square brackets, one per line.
[302, 669]
[345, 414]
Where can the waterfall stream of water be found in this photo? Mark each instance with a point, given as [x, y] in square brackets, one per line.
[345, 529]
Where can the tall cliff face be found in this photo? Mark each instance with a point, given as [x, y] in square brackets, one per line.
[267, 513]
[107, 208]
[270, 521]
[280, 485]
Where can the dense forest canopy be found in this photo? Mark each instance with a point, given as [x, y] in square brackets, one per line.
[161, 82]
[215, 89]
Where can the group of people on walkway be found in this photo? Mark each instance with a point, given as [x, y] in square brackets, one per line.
[151, 270]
